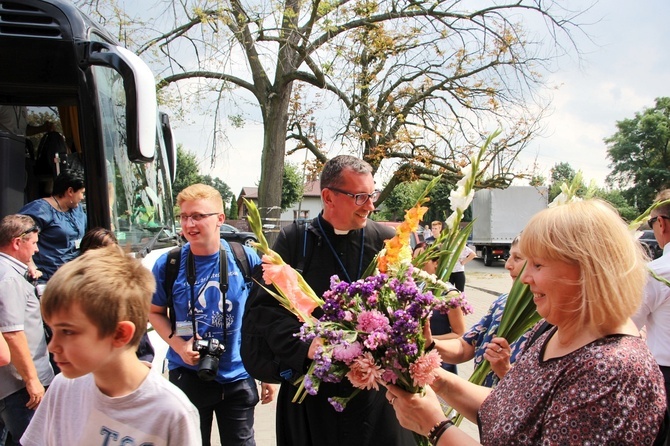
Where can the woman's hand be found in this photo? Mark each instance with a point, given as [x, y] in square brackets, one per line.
[316, 343]
[33, 272]
[498, 353]
[415, 412]
[427, 334]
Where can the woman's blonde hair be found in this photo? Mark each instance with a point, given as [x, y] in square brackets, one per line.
[592, 235]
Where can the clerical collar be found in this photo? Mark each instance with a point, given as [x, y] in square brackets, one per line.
[335, 231]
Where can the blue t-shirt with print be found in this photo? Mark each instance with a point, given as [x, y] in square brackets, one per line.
[210, 314]
[486, 329]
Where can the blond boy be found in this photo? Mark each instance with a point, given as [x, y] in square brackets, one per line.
[97, 307]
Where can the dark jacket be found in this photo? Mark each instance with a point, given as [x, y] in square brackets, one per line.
[368, 418]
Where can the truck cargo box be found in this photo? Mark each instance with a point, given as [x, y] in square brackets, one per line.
[500, 215]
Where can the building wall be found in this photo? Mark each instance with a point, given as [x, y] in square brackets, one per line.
[310, 208]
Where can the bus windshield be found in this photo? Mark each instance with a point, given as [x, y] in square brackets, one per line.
[137, 191]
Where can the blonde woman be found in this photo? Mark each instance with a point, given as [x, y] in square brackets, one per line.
[590, 379]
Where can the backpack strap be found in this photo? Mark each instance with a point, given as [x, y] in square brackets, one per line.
[305, 248]
[171, 272]
[241, 260]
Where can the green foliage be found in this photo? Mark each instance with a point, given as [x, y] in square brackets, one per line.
[219, 185]
[237, 121]
[563, 173]
[438, 206]
[187, 172]
[403, 197]
[232, 211]
[640, 155]
[537, 180]
[617, 199]
[461, 58]
[292, 187]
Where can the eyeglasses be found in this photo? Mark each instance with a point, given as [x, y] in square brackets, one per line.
[652, 220]
[33, 228]
[359, 199]
[196, 217]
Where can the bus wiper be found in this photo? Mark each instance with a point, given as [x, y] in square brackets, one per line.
[146, 249]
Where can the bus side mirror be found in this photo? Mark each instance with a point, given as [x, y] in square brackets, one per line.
[140, 88]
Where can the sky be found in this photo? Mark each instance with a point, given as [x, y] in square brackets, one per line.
[625, 66]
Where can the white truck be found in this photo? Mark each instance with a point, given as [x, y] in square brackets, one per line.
[499, 215]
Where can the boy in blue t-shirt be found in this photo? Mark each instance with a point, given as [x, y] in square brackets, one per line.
[203, 313]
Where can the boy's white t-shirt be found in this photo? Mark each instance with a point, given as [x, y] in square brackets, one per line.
[75, 412]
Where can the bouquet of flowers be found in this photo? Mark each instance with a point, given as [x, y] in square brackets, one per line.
[372, 330]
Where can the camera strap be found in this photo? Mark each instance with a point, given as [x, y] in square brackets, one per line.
[223, 287]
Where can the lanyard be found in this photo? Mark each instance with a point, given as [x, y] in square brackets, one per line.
[337, 257]
[223, 286]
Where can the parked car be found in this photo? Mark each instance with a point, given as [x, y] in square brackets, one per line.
[232, 234]
[650, 244]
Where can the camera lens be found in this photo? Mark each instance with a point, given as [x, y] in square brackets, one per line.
[208, 367]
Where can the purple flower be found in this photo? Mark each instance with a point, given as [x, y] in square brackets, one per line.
[389, 376]
[323, 367]
[336, 403]
[310, 386]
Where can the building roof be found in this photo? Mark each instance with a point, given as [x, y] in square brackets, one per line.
[312, 189]
[248, 192]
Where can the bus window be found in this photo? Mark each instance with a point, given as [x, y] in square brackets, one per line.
[137, 191]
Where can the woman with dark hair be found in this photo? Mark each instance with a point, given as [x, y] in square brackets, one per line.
[97, 238]
[62, 223]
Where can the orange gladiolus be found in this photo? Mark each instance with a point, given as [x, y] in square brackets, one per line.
[395, 245]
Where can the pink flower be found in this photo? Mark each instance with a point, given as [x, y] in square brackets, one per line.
[347, 352]
[364, 373]
[376, 339]
[421, 370]
[373, 320]
[285, 279]
[389, 376]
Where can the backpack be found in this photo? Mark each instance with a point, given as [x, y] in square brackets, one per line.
[172, 270]
[258, 358]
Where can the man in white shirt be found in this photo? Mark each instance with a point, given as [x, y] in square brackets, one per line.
[23, 380]
[654, 313]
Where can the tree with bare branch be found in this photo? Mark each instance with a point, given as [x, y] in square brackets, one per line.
[416, 85]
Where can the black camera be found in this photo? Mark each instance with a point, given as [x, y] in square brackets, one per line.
[210, 351]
